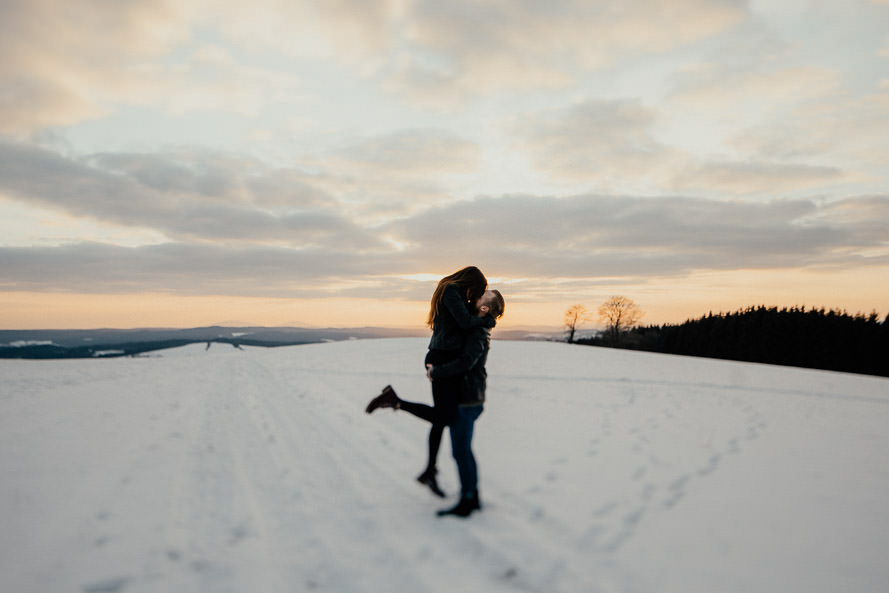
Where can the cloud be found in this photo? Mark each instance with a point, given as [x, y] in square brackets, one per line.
[457, 48]
[60, 60]
[867, 215]
[50, 37]
[396, 173]
[624, 146]
[67, 63]
[797, 90]
[28, 103]
[441, 51]
[178, 268]
[207, 269]
[590, 236]
[228, 203]
[729, 107]
[595, 140]
[207, 80]
[210, 197]
[854, 129]
[214, 176]
[191, 193]
[537, 244]
[613, 144]
[715, 87]
[419, 151]
[750, 177]
[353, 31]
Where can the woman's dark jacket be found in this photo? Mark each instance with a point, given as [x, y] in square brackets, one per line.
[453, 319]
[471, 365]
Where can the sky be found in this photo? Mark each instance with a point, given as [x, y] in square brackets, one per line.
[184, 163]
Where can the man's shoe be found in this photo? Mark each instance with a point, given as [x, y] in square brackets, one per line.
[387, 399]
[462, 509]
[427, 478]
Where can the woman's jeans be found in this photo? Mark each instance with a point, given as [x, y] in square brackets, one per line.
[461, 447]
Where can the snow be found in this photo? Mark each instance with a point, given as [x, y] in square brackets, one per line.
[600, 470]
[100, 353]
[26, 343]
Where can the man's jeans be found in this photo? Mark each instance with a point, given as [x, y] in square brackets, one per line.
[461, 447]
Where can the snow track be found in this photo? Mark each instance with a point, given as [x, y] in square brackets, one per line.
[601, 471]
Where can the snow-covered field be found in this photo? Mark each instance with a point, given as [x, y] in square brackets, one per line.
[258, 471]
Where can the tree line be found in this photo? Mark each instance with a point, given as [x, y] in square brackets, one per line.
[813, 338]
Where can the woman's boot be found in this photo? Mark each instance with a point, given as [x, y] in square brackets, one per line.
[464, 508]
[387, 399]
[427, 478]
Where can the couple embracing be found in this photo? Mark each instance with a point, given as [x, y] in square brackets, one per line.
[461, 316]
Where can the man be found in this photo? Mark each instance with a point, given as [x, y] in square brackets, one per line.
[470, 367]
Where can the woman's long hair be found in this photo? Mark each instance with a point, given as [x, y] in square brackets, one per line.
[472, 285]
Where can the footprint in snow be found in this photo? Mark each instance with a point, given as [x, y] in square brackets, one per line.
[107, 586]
[733, 447]
[711, 465]
[673, 500]
[680, 483]
[648, 491]
[237, 534]
[634, 517]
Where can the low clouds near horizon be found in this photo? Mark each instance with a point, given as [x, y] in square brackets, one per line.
[222, 224]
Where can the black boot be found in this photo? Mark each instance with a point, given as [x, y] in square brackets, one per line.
[464, 508]
[427, 478]
[387, 399]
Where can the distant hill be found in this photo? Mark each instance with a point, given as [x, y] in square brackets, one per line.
[103, 343]
[93, 343]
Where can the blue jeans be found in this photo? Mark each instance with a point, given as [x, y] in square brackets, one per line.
[461, 447]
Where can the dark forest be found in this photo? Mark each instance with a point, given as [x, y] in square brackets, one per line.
[813, 338]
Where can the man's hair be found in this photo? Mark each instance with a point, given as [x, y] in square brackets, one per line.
[496, 304]
[472, 284]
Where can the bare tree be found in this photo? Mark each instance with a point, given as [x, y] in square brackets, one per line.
[575, 316]
[620, 314]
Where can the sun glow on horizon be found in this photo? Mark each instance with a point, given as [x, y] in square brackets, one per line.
[664, 301]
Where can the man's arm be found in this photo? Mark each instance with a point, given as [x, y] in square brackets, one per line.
[456, 305]
[476, 343]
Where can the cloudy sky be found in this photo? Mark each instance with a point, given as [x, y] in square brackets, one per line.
[180, 163]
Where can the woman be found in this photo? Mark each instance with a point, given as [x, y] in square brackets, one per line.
[449, 317]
